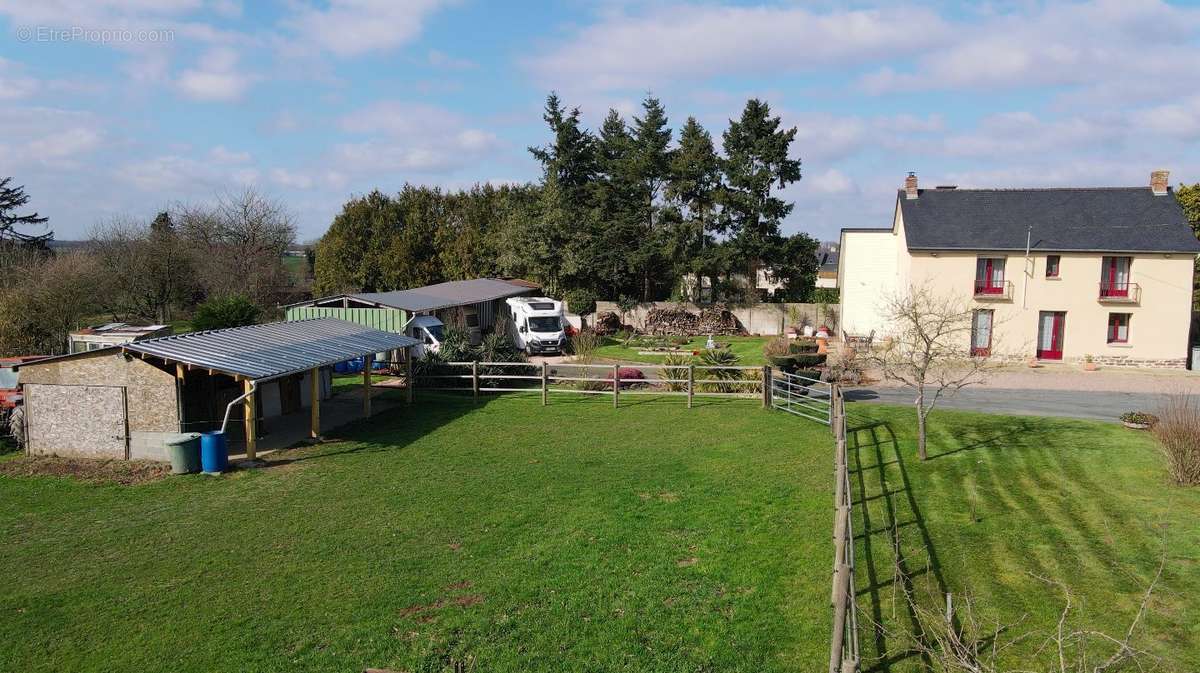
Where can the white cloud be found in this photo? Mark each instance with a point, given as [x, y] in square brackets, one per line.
[286, 178]
[39, 137]
[1106, 48]
[411, 137]
[217, 77]
[696, 41]
[440, 59]
[355, 27]
[13, 84]
[831, 181]
[222, 155]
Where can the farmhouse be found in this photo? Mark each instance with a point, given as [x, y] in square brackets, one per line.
[473, 303]
[1062, 274]
[127, 401]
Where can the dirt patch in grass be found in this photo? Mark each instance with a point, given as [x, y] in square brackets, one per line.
[88, 470]
[468, 601]
[459, 586]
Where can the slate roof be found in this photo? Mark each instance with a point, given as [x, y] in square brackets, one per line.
[267, 351]
[1105, 219]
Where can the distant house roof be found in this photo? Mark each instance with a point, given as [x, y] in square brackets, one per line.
[268, 351]
[829, 261]
[1115, 219]
[119, 329]
[442, 295]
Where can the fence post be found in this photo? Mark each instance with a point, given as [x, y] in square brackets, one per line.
[545, 382]
[766, 385]
[475, 379]
[408, 376]
[691, 382]
[616, 384]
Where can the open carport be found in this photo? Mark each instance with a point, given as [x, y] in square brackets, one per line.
[126, 402]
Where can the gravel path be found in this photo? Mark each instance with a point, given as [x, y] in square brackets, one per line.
[1066, 377]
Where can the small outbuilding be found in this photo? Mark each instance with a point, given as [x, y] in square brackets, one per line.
[127, 401]
[473, 303]
[112, 334]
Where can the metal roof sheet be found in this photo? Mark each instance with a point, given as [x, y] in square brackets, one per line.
[444, 295]
[273, 349]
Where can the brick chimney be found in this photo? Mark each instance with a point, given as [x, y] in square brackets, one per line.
[910, 185]
[1158, 182]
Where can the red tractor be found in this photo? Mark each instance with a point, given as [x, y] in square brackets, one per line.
[10, 387]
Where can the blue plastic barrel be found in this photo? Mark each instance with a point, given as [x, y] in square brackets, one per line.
[214, 453]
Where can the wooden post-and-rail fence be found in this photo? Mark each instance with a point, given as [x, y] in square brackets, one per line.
[689, 381]
[843, 647]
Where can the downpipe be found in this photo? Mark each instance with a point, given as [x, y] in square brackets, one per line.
[243, 396]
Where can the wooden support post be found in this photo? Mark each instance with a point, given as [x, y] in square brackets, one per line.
[545, 383]
[366, 385]
[179, 384]
[314, 394]
[616, 384]
[766, 385]
[475, 379]
[250, 413]
[409, 383]
[691, 383]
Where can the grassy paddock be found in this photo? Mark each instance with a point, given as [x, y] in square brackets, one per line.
[1005, 499]
[504, 536]
[749, 349]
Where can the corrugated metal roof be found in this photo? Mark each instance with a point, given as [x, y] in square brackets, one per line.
[273, 349]
[441, 295]
[444, 295]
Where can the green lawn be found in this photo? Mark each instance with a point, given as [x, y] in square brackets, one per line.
[505, 536]
[749, 349]
[344, 383]
[1002, 499]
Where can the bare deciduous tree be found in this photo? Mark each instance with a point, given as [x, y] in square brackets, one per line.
[52, 297]
[241, 239]
[929, 350]
[149, 266]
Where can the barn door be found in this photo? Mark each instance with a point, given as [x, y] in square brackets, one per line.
[86, 421]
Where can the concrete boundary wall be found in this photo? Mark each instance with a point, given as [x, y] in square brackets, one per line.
[767, 319]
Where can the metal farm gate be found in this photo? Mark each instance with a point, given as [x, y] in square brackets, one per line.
[802, 396]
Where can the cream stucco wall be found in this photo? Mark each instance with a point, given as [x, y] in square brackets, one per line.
[1159, 321]
[876, 264]
[867, 273]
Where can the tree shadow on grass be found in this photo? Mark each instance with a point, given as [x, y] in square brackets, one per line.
[884, 505]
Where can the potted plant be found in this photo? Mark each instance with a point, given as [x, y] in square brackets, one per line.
[1138, 420]
[1089, 365]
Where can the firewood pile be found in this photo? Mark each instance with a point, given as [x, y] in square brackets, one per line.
[607, 323]
[680, 321]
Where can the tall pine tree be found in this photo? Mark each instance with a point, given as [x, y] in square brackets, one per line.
[756, 159]
[652, 168]
[692, 189]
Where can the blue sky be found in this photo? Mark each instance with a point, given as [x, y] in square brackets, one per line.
[112, 109]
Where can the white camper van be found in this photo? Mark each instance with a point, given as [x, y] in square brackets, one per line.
[429, 331]
[538, 325]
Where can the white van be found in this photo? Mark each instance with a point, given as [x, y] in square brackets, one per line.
[537, 325]
[429, 331]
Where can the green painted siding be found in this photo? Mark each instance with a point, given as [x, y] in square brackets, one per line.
[383, 319]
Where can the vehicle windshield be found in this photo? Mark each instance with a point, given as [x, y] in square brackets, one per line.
[435, 331]
[8, 378]
[545, 324]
